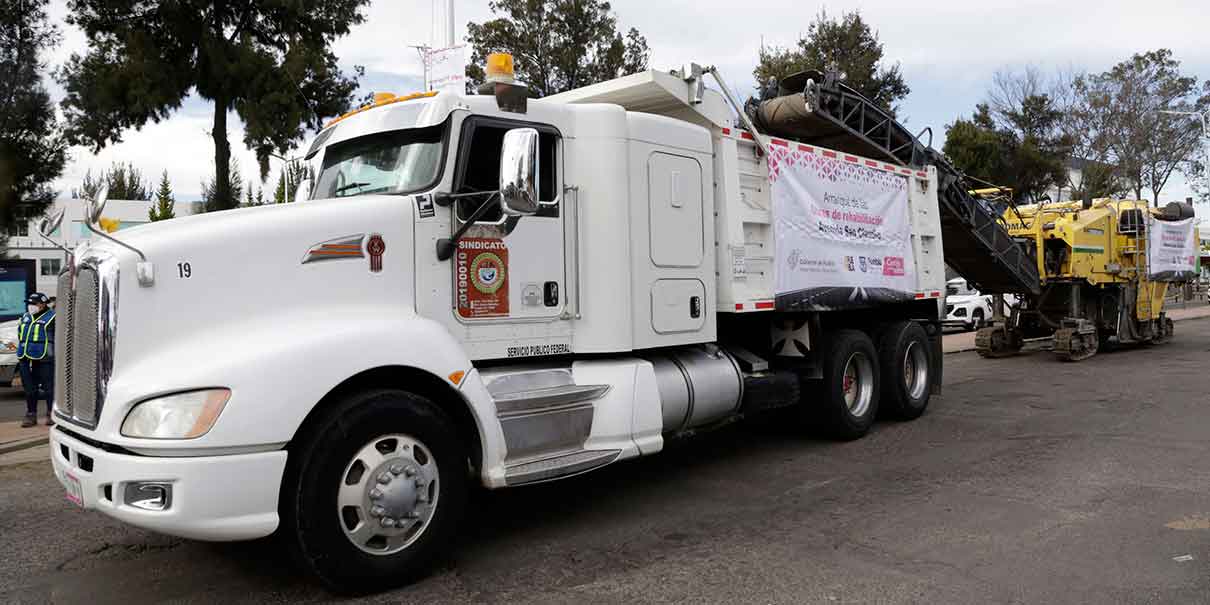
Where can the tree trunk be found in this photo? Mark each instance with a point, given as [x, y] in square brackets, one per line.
[222, 158]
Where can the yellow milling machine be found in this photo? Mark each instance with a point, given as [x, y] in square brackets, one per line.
[1097, 289]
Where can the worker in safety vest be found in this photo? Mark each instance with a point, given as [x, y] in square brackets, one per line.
[35, 355]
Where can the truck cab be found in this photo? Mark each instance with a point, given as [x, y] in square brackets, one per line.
[475, 291]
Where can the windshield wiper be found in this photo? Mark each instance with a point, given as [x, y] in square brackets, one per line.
[345, 188]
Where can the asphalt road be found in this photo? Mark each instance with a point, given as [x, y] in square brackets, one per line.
[1030, 481]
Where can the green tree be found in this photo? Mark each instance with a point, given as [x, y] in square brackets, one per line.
[288, 179]
[32, 148]
[211, 197]
[978, 148]
[126, 183]
[1016, 139]
[557, 45]
[254, 196]
[1146, 144]
[89, 187]
[270, 62]
[847, 44]
[165, 202]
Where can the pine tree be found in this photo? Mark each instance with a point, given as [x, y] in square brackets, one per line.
[32, 150]
[288, 180]
[279, 192]
[165, 203]
[210, 191]
[89, 187]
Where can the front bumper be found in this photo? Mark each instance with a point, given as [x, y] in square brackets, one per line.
[955, 320]
[219, 498]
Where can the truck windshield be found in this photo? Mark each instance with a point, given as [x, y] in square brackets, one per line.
[399, 161]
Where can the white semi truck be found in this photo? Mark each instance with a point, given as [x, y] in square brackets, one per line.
[484, 289]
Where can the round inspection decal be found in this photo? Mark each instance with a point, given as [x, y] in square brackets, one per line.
[487, 273]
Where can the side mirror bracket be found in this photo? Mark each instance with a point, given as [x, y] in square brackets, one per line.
[447, 245]
[144, 269]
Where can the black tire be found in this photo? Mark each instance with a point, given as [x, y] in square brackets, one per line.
[827, 400]
[977, 320]
[901, 399]
[311, 524]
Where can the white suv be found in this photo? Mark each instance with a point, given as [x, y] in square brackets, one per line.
[966, 307]
[8, 351]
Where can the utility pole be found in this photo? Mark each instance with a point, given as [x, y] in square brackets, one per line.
[449, 18]
[423, 50]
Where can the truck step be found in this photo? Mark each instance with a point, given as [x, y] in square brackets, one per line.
[536, 390]
[564, 465]
[524, 402]
[542, 411]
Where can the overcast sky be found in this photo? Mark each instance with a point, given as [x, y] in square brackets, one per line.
[948, 51]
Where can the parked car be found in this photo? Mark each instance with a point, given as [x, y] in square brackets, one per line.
[8, 352]
[965, 307]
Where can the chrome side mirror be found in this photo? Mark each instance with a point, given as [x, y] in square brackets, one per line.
[96, 205]
[51, 223]
[302, 193]
[519, 172]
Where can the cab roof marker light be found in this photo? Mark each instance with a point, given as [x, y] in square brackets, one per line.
[381, 99]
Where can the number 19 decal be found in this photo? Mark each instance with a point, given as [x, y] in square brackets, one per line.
[184, 271]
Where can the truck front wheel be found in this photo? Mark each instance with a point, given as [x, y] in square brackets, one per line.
[375, 491]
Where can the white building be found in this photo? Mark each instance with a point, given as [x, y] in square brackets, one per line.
[24, 241]
[1075, 176]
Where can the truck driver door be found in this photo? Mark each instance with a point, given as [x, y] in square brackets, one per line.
[507, 269]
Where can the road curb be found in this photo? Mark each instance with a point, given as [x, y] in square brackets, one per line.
[24, 444]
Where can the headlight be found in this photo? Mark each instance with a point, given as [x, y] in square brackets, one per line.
[179, 416]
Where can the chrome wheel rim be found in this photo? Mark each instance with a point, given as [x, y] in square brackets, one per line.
[387, 494]
[858, 383]
[915, 370]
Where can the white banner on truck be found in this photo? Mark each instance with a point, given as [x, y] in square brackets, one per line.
[843, 234]
[1171, 250]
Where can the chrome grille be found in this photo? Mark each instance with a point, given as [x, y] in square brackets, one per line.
[82, 365]
[84, 345]
[63, 344]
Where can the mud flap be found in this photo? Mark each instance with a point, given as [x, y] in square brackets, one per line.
[936, 355]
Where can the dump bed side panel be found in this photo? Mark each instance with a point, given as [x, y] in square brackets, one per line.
[745, 228]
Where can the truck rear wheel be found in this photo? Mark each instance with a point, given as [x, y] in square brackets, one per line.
[907, 370]
[848, 393]
[376, 492]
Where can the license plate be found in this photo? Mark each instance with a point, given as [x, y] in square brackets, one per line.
[74, 493]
